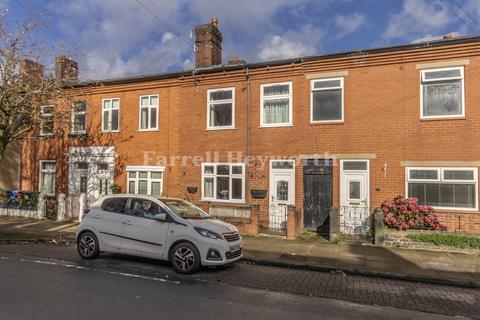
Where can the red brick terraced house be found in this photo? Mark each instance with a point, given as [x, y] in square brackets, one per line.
[274, 145]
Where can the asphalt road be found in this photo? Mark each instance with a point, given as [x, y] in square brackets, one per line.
[35, 286]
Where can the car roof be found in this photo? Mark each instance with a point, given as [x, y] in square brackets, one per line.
[141, 196]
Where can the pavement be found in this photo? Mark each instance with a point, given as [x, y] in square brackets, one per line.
[107, 288]
[399, 263]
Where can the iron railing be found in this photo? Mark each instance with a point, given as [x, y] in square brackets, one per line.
[277, 221]
[355, 220]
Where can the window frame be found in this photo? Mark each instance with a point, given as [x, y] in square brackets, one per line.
[231, 176]
[312, 89]
[109, 130]
[214, 102]
[44, 117]
[40, 178]
[441, 180]
[148, 170]
[440, 80]
[290, 104]
[149, 107]
[75, 113]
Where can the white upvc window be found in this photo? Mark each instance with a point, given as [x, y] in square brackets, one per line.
[451, 188]
[145, 180]
[326, 100]
[442, 93]
[46, 128]
[111, 115]
[223, 182]
[276, 104]
[47, 177]
[79, 117]
[148, 117]
[221, 109]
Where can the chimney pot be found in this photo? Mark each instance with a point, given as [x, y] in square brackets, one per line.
[448, 37]
[214, 22]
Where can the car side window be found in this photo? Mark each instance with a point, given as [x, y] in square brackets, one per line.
[115, 205]
[144, 208]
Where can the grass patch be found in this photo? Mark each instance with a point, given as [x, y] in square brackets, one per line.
[457, 241]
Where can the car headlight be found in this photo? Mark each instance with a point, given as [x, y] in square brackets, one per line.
[208, 233]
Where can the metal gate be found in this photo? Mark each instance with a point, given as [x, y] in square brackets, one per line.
[317, 198]
[355, 221]
[277, 221]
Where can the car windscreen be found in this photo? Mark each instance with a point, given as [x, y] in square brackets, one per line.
[185, 209]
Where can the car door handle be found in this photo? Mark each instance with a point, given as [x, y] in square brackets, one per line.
[127, 223]
[96, 217]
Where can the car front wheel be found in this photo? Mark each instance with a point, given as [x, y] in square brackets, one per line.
[87, 245]
[185, 258]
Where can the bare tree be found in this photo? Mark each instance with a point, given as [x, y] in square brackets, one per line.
[24, 89]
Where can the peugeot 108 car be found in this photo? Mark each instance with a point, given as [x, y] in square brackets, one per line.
[160, 228]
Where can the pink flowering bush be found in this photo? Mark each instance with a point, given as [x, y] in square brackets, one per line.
[405, 213]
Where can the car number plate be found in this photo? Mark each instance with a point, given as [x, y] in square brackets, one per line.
[234, 248]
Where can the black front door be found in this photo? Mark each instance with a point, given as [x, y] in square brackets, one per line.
[317, 186]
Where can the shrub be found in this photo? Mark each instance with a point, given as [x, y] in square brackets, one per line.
[22, 199]
[405, 213]
[451, 240]
[51, 208]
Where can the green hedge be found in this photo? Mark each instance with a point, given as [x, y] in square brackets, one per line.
[452, 240]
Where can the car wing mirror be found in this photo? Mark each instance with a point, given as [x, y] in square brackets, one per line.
[160, 217]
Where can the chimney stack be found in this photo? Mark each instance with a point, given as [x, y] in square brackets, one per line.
[235, 60]
[66, 68]
[31, 71]
[208, 44]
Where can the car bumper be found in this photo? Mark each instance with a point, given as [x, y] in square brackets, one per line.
[229, 253]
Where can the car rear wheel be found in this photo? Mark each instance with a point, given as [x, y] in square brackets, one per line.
[185, 258]
[87, 246]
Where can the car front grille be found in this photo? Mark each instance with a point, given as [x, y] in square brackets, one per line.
[233, 254]
[231, 236]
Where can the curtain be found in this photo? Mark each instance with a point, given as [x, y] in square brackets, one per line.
[276, 111]
[208, 188]
[144, 118]
[48, 180]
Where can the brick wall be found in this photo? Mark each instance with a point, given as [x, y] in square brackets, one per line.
[382, 120]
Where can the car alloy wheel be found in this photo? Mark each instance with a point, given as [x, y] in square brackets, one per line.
[88, 246]
[185, 258]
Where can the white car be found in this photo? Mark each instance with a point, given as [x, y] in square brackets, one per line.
[160, 228]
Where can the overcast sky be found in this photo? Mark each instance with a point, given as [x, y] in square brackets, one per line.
[112, 38]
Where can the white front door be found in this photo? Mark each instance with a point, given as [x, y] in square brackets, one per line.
[282, 193]
[354, 197]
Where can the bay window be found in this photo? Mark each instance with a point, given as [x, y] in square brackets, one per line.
[221, 108]
[276, 104]
[442, 93]
[223, 182]
[444, 188]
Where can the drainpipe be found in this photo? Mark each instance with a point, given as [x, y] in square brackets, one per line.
[247, 134]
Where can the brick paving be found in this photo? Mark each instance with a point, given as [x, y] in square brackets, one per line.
[442, 299]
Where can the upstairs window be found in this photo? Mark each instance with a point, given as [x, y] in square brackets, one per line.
[149, 113]
[110, 115]
[442, 93]
[145, 180]
[444, 188]
[276, 104]
[221, 109]
[327, 100]
[79, 117]
[46, 128]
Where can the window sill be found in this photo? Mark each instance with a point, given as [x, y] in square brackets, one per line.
[112, 131]
[220, 203]
[45, 136]
[327, 122]
[455, 210]
[442, 118]
[276, 126]
[220, 129]
[148, 130]
[77, 135]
